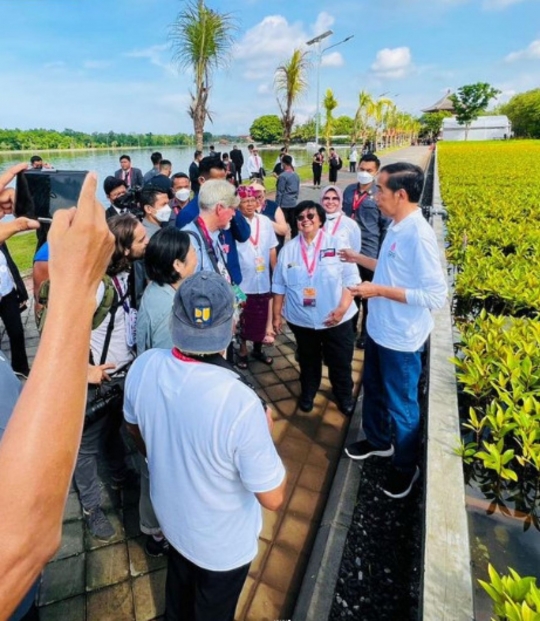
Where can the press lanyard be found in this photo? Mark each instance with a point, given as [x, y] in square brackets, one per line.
[255, 240]
[358, 199]
[336, 225]
[121, 293]
[180, 356]
[303, 248]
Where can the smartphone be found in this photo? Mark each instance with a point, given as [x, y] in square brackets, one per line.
[40, 193]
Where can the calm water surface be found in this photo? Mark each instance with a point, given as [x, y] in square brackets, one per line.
[105, 162]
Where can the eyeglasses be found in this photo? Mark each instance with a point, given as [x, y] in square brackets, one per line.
[309, 216]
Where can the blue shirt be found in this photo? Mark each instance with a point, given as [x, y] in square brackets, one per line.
[43, 253]
[239, 231]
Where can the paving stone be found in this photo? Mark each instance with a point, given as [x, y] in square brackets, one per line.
[62, 579]
[295, 388]
[289, 374]
[256, 367]
[106, 566]
[296, 533]
[280, 430]
[72, 510]
[279, 569]
[280, 362]
[91, 543]
[306, 503]
[73, 609]
[139, 562]
[287, 348]
[266, 605]
[334, 418]
[268, 378]
[110, 498]
[287, 407]
[259, 560]
[293, 468]
[294, 448]
[271, 522]
[303, 429]
[314, 478]
[72, 540]
[245, 598]
[329, 435]
[149, 595]
[114, 603]
[277, 392]
[321, 455]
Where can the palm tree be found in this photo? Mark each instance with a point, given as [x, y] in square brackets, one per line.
[290, 82]
[380, 108]
[330, 103]
[201, 39]
[362, 116]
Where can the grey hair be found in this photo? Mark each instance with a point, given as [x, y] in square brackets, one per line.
[217, 191]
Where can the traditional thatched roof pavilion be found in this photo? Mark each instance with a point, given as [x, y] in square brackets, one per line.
[444, 104]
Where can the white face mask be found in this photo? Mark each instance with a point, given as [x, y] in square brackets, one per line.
[183, 194]
[164, 214]
[364, 177]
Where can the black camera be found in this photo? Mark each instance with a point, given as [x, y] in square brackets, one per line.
[131, 201]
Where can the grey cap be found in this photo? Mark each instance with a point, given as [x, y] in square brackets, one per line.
[202, 317]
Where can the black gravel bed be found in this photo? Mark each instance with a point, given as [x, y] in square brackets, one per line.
[380, 573]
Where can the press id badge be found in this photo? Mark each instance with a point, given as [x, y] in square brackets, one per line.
[131, 327]
[309, 296]
[260, 267]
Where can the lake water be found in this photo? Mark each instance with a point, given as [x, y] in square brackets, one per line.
[105, 161]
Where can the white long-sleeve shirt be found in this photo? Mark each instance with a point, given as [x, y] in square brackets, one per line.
[254, 164]
[345, 229]
[409, 259]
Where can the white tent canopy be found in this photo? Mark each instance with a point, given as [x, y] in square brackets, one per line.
[483, 128]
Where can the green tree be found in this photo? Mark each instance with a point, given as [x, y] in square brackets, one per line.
[362, 116]
[201, 39]
[344, 126]
[431, 122]
[470, 101]
[523, 110]
[290, 82]
[267, 129]
[330, 103]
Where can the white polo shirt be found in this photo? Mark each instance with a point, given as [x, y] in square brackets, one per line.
[254, 255]
[209, 451]
[409, 258]
[325, 285]
[345, 229]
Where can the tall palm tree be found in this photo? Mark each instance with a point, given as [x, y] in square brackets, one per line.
[330, 103]
[201, 39]
[290, 82]
[362, 116]
[380, 108]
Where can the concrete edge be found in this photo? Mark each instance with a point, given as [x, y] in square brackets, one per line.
[316, 595]
[447, 583]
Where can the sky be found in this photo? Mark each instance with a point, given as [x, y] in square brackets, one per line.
[100, 65]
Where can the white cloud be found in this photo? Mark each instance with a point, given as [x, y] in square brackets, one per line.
[334, 59]
[392, 63]
[494, 5]
[323, 23]
[154, 54]
[264, 89]
[531, 52]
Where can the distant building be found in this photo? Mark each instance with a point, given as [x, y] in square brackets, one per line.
[443, 105]
[484, 128]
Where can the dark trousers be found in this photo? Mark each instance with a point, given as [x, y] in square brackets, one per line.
[337, 346]
[352, 166]
[196, 594]
[365, 274]
[11, 316]
[317, 172]
[102, 435]
[332, 175]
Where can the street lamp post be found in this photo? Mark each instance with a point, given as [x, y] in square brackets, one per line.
[317, 41]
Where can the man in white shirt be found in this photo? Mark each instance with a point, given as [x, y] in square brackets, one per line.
[210, 454]
[254, 165]
[408, 282]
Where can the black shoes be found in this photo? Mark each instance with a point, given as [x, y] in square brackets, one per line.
[399, 483]
[347, 407]
[305, 404]
[364, 449]
[361, 341]
[156, 548]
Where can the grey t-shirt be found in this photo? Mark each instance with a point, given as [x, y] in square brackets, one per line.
[10, 388]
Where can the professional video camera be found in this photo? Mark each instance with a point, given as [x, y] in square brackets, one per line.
[131, 201]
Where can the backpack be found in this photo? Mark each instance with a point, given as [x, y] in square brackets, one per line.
[109, 299]
[339, 163]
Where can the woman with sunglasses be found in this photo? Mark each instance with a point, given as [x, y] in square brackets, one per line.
[257, 258]
[310, 289]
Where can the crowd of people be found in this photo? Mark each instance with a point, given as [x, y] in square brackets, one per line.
[191, 268]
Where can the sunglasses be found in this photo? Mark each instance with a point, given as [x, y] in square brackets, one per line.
[308, 216]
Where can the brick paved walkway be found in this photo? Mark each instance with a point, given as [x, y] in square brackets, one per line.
[93, 581]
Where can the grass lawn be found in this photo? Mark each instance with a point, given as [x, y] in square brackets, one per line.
[22, 248]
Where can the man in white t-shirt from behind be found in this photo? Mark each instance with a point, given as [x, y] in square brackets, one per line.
[210, 454]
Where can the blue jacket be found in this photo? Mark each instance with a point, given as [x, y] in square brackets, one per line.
[239, 231]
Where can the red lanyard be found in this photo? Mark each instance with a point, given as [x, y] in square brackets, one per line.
[336, 225]
[204, 229]
[255, 241]
[358, 199]
[180, 356]
[303, 248]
